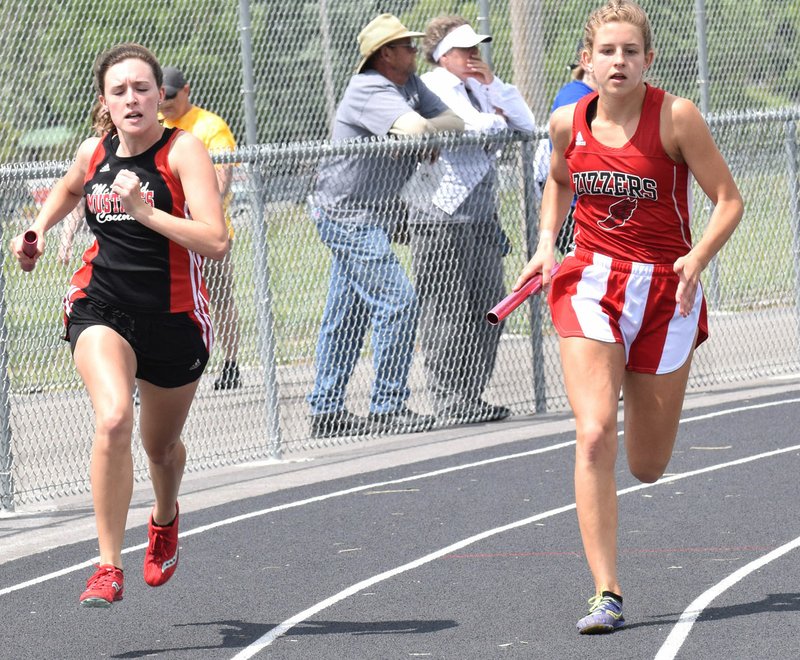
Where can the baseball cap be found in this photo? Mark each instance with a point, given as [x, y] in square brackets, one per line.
[379, 32]
[576, 62]
[173, 81]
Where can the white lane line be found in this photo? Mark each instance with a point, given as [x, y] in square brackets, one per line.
[290, 505]
[350, 491]
[379, 484]
[728, 411]
[270, 636]
[680, 631]
[282, 628]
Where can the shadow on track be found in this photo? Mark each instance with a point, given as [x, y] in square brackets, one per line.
[238, 634]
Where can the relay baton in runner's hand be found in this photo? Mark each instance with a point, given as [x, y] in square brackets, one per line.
[29, 241]
[515, 299]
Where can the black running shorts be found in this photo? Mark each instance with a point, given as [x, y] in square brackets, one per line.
[169, 348]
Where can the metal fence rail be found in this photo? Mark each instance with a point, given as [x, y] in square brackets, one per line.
[281, 280]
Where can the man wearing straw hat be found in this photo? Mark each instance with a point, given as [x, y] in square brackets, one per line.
[356, 210]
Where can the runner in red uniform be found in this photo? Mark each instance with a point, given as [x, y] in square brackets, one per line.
[627, 303]
[137, 311]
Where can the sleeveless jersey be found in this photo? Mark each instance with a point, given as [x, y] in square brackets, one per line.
[632, 200]
[129, 265]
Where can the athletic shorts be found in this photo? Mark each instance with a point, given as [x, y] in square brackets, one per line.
[629, 303]
[170, 348]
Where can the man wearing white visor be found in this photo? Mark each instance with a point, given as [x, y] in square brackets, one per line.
[457, 243]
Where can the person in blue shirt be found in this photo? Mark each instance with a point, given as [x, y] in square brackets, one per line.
[581, 84]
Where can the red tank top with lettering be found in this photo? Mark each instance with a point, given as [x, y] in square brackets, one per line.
[632, 200]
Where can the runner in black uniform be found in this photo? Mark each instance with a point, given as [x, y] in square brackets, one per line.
[144, 276]
[137, 310]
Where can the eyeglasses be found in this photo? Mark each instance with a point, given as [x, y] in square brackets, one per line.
[410, 47]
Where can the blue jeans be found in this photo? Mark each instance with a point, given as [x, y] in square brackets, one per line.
[368, 287]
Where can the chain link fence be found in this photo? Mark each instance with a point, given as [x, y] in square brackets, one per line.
[736, 61]
[298, 56]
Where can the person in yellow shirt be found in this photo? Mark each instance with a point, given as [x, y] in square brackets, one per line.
[178, 111]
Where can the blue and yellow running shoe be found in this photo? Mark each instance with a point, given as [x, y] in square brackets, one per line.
[605, 615]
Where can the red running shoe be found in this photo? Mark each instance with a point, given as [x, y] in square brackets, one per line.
[161, 558]
[104, 587]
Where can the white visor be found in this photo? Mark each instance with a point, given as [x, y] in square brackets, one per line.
[462, 37]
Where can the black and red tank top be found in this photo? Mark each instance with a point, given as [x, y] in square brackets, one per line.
[129, 265]
[632, 200]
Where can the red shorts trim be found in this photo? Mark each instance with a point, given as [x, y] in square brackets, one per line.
[630, 303]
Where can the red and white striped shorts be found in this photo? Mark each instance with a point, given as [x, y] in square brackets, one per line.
[629, 303]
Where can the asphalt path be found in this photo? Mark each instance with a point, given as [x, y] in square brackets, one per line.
[462, 543]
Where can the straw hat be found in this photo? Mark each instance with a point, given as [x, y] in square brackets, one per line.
[379, 32]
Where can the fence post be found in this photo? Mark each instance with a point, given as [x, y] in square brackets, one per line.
[712, 290]
[794, 209]
[702, 53]
[263, 292]
[6, 455]
[535, 302]
[248, 82]
[484, 27]
[327, 63]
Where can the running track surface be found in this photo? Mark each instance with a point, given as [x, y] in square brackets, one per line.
[461, 543]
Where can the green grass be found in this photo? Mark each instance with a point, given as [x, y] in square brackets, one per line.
[754, 269]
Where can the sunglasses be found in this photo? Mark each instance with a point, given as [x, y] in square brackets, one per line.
[410, 47]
